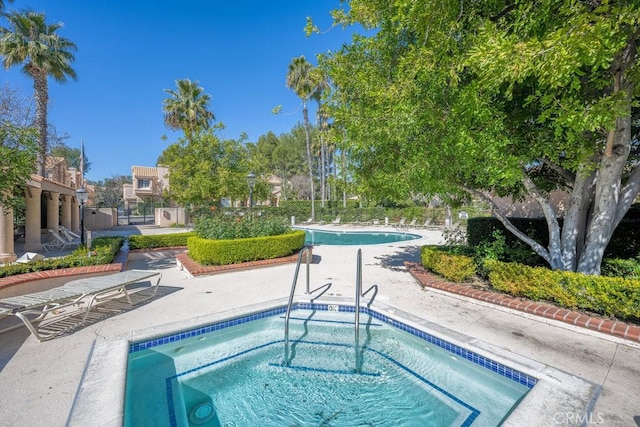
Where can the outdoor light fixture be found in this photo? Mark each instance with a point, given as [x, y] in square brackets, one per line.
[251, 179]
[82, 195]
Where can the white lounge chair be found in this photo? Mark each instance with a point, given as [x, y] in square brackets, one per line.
[68, 234]
[413, 222]
[59, 242]
[94, 289]
[401, 223]
[426, 224]
[336, 221]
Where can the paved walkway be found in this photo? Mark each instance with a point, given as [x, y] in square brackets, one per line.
[38, 381]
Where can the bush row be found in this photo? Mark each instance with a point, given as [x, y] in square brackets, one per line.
[221, 226]
[103, 251]
[223, 252]
[301, 210]
[454, 267]
[611, 296]
[138, 241]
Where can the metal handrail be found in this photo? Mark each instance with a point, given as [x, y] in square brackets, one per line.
[307, 250]
[358, 291]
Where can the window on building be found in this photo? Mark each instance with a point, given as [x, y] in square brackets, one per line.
[144, 183]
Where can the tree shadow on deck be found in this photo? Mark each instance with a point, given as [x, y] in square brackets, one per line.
[396, 260]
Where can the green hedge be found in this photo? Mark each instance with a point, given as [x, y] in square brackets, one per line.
[103, 251]
[454, 267]
[138, 241]
[611, 296]
[223, 252]
[627, 268]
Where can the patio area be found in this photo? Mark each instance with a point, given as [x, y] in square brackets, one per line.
[38, 381]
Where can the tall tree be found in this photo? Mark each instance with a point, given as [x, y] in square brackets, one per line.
[71, 155]
[109, 193]
[187, 108]
[306, 81]
[205, 169]
[494, 99]
[18, 146]
[33, 43]
[18, 152]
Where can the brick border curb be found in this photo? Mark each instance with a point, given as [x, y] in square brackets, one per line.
[196, 269]
[542, 309]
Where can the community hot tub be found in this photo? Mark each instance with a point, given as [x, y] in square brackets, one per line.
[398, 369]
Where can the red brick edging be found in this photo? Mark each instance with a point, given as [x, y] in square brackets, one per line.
[195, 269]
[18, 279]
[549, 311]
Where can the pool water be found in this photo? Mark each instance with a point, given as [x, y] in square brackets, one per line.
[238, 376]
[321, 237]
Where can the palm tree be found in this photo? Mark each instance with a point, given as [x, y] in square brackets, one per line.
[187, 108]
[307, 82]
[2, 4]
[31, 42]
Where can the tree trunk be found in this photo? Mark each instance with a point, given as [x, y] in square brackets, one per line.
[606, 203]
[323, 162]
[576, 217]
[42, 100]
[305, 115]
[608, 207]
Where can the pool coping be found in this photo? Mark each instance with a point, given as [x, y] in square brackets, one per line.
[100, 395]
[542, 309]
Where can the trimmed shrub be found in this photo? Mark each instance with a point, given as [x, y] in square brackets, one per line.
[103, 251]
[138, 241]
[454, 267]
[233, 251]
[611, 296]
[225, 227]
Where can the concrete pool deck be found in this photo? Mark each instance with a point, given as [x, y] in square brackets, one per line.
[38, 381]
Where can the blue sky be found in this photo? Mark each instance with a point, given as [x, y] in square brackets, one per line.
[130, 51]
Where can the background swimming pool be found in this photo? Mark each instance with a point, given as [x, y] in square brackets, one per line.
[237, 376]
[322, 237]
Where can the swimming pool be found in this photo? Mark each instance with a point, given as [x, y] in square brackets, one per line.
[101, 393]
[235, 374]
[324, 237]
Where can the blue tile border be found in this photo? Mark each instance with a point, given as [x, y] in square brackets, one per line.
[503, 370]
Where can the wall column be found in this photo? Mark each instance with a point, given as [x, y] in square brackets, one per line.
[7, 250]
[32, 226]
[75, 214]
[53, 211]
[66, 211]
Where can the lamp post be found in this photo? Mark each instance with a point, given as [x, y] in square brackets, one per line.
[82, 195]
[251, 179]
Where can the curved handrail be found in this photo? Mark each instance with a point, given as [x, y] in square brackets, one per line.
[358, 290]
[307, 250]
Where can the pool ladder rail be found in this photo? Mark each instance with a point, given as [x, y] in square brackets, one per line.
[307, 250]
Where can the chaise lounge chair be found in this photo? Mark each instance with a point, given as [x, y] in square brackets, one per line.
[426, 224]
[400, 224]
[95, 290]
[59, 243]
[68, 234]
